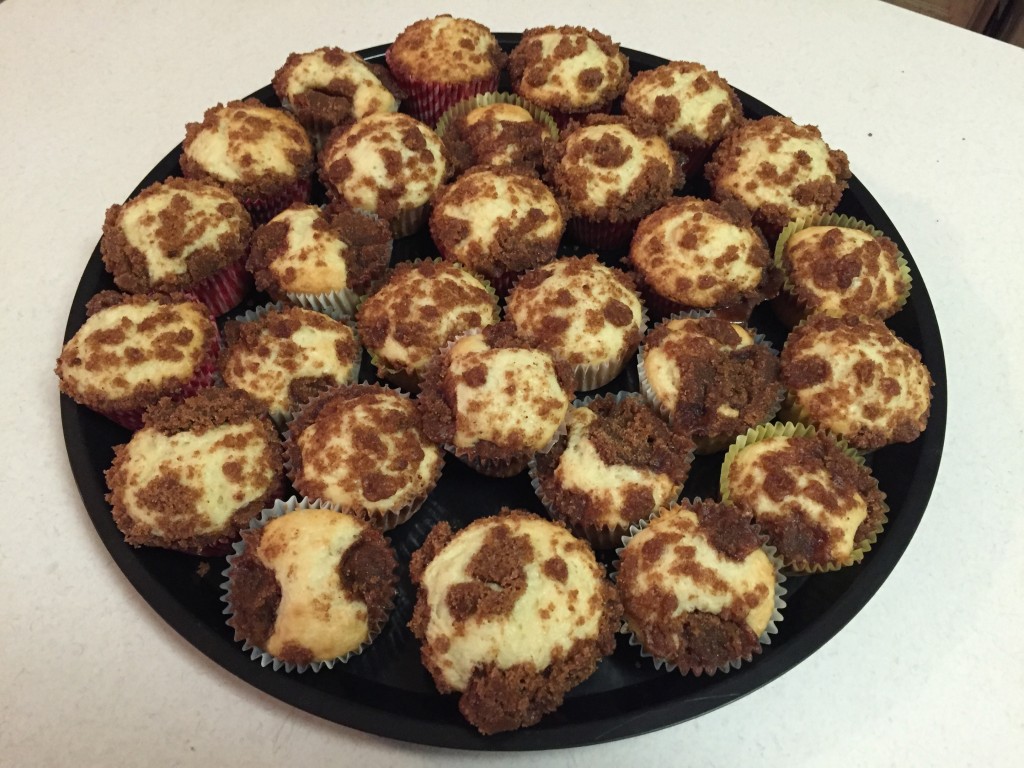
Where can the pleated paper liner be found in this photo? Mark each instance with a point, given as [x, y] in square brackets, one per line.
[281, 418]
[599, 536]
[428, 100]
[708, 443]
[225, 289]
[790, 429]
[263, 209]
[787, 305]
[466, 106]
[265, 659]
[384, 520]
[763, 639]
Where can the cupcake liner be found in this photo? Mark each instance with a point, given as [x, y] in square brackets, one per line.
[409, 221]
[427, 101]
[383, 520]
[495, 97]
[599, 536]
[225, 289]
[796, 310]
[763, 639]
[791, 429]
[264, 208]
[590, 376]
[601, 234]
[338, 304]
[711, 443]
[279, 508]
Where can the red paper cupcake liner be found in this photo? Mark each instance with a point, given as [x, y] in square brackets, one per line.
[224, 289]
[427, 101]
[263, 209]
[602, 234]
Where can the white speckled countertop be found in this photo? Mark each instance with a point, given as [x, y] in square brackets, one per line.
[928, 673]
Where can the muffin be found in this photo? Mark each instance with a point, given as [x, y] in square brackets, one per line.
[710, 378]
[421, 307]
[443, 60]
[609, 173]
[309, 586]
[839, 266]
[363, 448]
[259, 154]
[854, 377]
[494, 400]
[569, 71]
[284, 356]
[134, 350]
[497, 223]
[779, 170]
[694, 254]
[497, 129]
[583, 312]
[818, 504]
[322, 259]
[329, 87]
[698, 591]
[196, 473]
[180, 235]
[388, 164]
[512, 612]
[693, 107]
[617, 464]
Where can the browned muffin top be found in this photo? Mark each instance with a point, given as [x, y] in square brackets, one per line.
[196, 473]
[711, 377]
[312, 585]
[445, 49]
[173, 234]
[618, 463]
[779, 170]
[247, 147]
[501, 134]
[815, 502]
[570, 69]
[697, 589]
[513, 612]
[856, 378]
[309, 250]
[613, 169]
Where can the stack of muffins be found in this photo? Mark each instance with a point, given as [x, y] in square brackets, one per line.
[482, 237]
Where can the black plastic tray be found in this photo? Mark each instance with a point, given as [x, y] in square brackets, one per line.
[386, 691]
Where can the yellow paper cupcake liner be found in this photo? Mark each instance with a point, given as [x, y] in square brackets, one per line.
[493, 97]
[265, 659]
[845, 222]
[798, 429]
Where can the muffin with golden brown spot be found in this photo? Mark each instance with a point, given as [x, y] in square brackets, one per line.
[388, 164]
[421, 307]
[329, 87]
[196, 473]
[364, 448]
[779, 171]
[323, 259]
[608, 173]
[694, 254]
[133, 350]
[284, 357]
[260, 154]
[617, 464]
[854, 377]
[497, 223]
[583, 312]
[698, 590]
[310, 586]
[710, 378]
[495, 400]
[568, 70]
[840, 270]
[180, 235]
[443, 60]
[498, 129]
[512, 612]
[693, 107]
[813, 496]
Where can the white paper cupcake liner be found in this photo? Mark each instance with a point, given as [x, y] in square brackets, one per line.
[256, 653]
